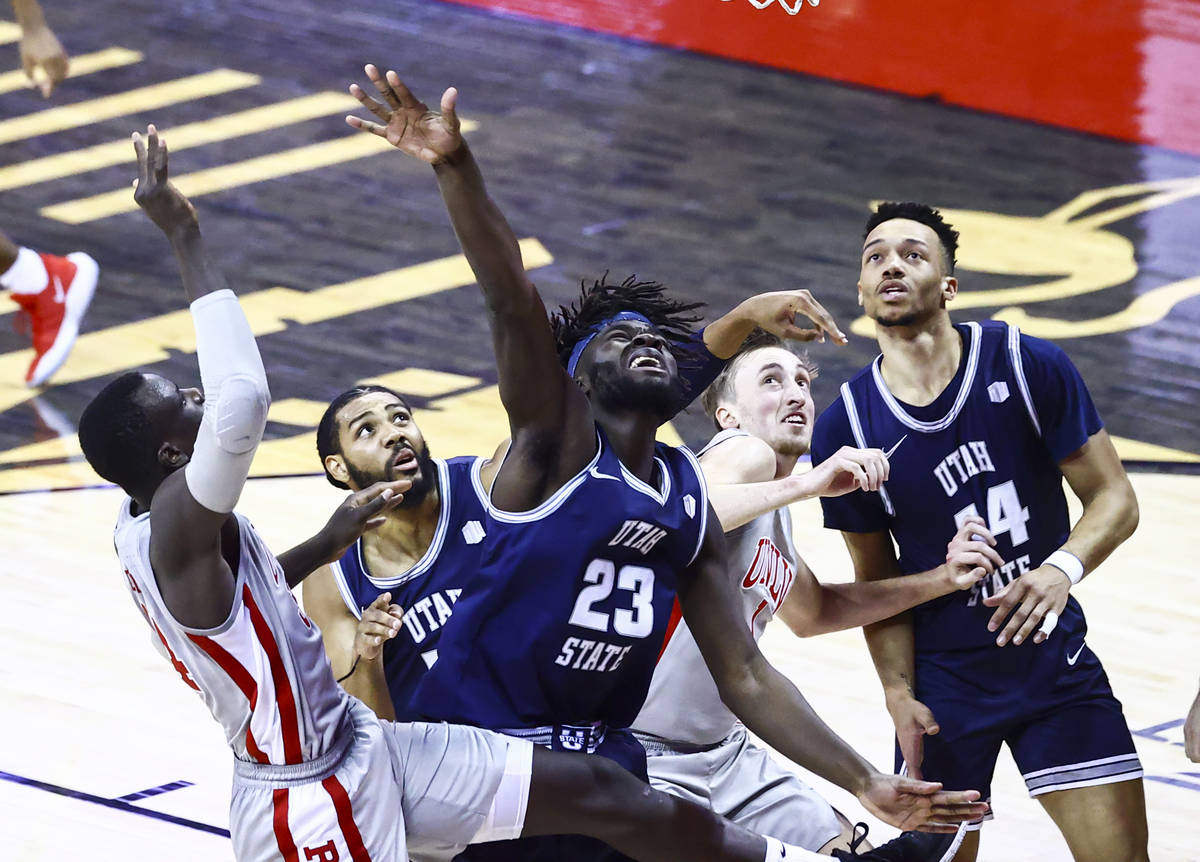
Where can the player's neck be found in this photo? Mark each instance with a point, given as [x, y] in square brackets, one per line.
[785, 464]
[407, 533]
[919, 361]
[632, 436]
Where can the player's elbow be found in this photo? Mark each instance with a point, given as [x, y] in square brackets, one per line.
[740, 685]
[1130, 513]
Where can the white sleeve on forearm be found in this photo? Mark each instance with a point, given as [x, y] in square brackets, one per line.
[236, 399]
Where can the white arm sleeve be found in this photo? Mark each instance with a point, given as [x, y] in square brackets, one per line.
[236, 399]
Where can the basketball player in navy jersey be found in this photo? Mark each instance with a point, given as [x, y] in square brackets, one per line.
[381, 607]
[316, 774]
[762, 406]
[986, 422]
[593, 526]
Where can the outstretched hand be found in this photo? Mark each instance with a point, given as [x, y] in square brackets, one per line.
[159, 199]
[362, 511]
[907, 803]
[380, 622]
[407, 123]
[776, 312]
[43, 59]
[850, 469]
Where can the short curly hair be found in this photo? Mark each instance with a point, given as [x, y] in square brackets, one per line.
[924, 214]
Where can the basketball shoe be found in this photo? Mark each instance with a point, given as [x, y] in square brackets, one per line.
[56, 312]
[908, 847]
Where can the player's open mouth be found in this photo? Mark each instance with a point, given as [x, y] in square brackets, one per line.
[893, 288]
[647, 361]
[405, 460]
[795, 419]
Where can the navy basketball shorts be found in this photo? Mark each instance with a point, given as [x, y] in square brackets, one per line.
[1051, 703]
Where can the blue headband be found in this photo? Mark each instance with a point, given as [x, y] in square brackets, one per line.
[582, 344]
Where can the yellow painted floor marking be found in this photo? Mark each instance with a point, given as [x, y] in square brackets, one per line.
[1151, 307]
[144, 342]
[121, 104]
[83, 64]
[422, 382]
[196, 134]
[272, 166]
[1135, 450]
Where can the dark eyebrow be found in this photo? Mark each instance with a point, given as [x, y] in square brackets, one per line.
[909, 239]
[367, 412]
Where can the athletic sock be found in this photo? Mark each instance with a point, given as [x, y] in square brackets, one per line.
[27, 274]
[777, 851]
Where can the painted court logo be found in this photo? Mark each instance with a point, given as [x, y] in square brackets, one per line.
[792, 9]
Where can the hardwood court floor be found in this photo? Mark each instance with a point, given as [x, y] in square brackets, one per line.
[721, 179]
[92, 709]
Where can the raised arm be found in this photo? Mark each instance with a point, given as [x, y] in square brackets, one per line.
[548, 415]
[42, 55]
[191, 506]
[773, 708]
[775, 312]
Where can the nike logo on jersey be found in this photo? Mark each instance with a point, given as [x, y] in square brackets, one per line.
[998, 392]
[59, 293]
[1071, 659]
[890, 452]
[600, 475]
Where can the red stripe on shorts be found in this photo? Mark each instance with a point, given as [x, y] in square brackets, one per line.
[672, 624]
[241, 678]
[283, 686]
[283, 833]
[345, 816]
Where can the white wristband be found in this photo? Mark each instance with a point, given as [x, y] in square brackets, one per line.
[1069, 564]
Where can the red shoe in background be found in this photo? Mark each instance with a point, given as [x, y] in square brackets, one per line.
[57, 311]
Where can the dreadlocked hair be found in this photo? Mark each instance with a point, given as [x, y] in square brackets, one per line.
[599, 301]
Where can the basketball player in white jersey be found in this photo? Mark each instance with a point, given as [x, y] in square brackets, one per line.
[763, 410]
[316, 775]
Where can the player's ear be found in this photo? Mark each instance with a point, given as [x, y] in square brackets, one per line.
[581, 382]
[860, 299]
[725, 417]
[171, 456]
[949, 288]
[336, 468]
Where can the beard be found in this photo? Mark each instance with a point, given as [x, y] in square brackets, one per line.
[792, 448]
[616, 391]
[422, 484]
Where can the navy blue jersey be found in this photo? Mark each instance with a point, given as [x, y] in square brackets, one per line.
[989, 445]
[429, 590]
[566, 617]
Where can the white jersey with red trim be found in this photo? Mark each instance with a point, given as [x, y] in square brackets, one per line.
[263, 672]
[683, 705]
